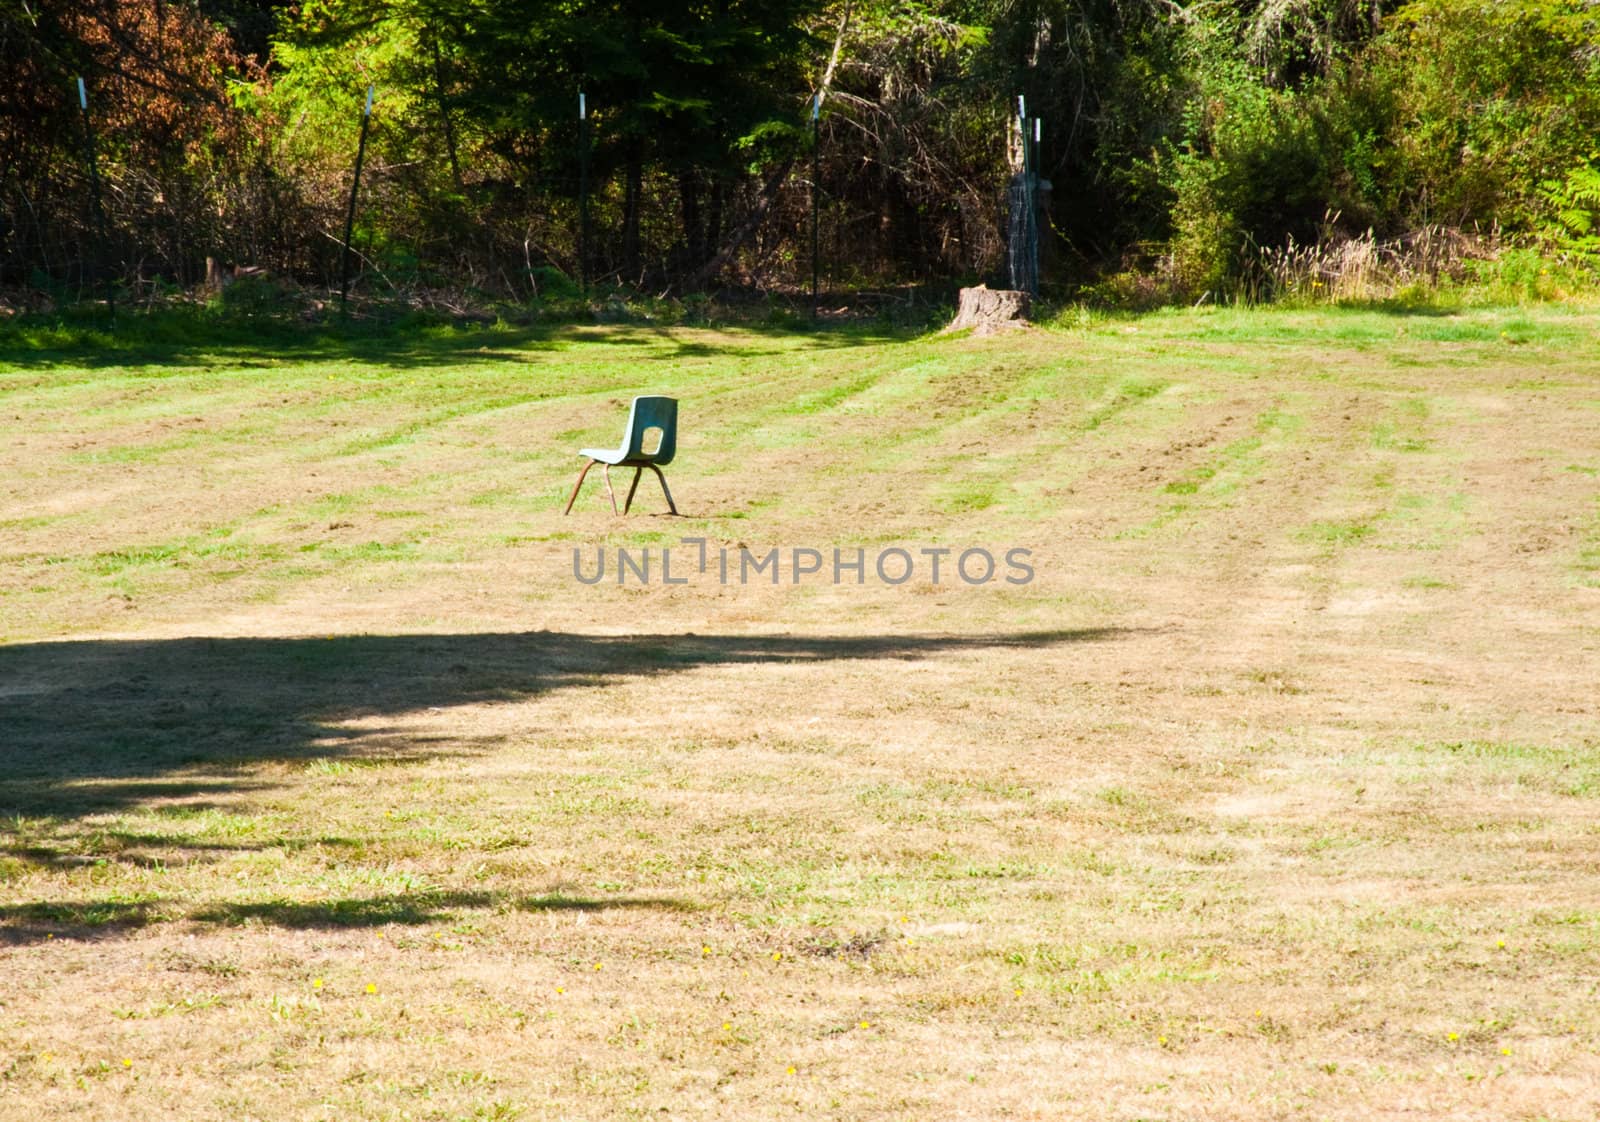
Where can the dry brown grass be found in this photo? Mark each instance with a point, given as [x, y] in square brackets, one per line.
[1365, 267]
[1272, 797]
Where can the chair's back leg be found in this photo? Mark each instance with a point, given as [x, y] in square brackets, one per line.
[670, 505]
[612, 495]
[632, 487]
[576, 486]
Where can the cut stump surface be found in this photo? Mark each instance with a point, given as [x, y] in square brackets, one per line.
[987, 310]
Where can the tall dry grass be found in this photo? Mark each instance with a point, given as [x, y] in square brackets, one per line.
[1339, 268]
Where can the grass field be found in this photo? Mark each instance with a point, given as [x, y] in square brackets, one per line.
[328, 792]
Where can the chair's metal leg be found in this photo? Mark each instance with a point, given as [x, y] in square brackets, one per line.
[670, 505]
[612, 495]
[576, 486]
[632, 487]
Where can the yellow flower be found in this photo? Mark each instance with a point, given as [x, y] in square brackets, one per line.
[597, 966]
[561, 989]
[866, 1024]
[727, 1026]
[1161, 1040]
[791, 1069]
[1505, 1051]
[705, 950]
[372, 987]
[127, 1063]
[316, 983]
[1019, 991]
[1452, 1036]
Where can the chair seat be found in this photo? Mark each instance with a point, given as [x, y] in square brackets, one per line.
[615, 458]
[611, 456]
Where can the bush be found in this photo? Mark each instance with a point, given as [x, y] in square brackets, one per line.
[1483, 101]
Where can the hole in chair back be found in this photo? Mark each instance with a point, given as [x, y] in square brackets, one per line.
[650, 441]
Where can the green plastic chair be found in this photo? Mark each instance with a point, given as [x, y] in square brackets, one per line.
[648, 413]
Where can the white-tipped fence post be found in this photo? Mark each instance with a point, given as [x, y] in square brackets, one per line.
[90, 157]
[816, 199]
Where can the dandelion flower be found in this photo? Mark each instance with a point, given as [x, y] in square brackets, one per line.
[561, 989]
[791, 1069]
[705, 950]
[777, 956]
[1452, 1036]
[597, 966]
[372, 987]
[1019, 991]
[1161, 1040]
[727, 1026]
[316, 983]
[866, 1024]
[1505, 1051]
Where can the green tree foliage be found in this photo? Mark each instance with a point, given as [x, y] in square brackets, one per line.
[1180, 137]
[1477, 103]
[699, 95]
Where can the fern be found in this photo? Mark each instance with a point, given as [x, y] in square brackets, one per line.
[1575, 204]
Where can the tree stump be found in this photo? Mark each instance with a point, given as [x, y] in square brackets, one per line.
[987, 310]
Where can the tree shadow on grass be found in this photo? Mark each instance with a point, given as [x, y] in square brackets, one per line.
[94, 920]
[412, 909]
[46, 920]
[171, 341]
[93, 727]
[191, 727]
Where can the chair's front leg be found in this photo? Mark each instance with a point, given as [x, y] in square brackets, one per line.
[576, 486]
[670, 505]
[632, 487]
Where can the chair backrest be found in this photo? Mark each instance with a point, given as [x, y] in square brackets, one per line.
[653, 413]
